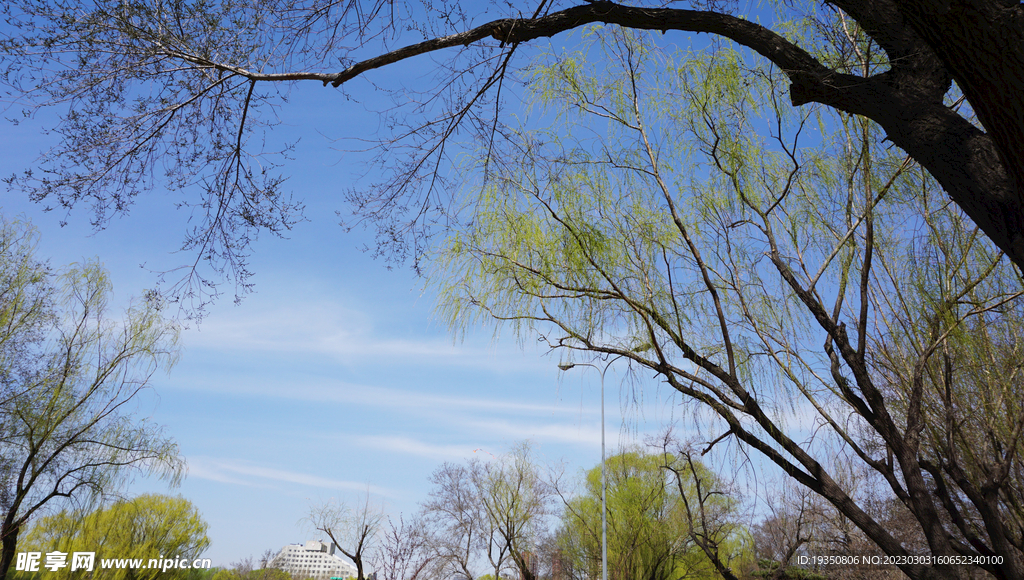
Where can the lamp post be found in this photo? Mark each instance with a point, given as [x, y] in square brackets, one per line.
[604, 484]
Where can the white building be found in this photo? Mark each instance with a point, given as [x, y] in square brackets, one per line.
[315, 559]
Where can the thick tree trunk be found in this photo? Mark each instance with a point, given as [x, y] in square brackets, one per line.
[9, 544]
[981, 44]
[523, 565]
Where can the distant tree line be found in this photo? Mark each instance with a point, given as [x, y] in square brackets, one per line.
[669, 517]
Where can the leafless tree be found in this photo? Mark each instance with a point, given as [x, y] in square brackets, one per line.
[403, 552]
[788, 527]
[708, 505]
[489, 511]
[456, 527]
[353, 530]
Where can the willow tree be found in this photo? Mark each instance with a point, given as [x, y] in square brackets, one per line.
[146, 527]
[804, 285]
[650, 533]
[69, 375]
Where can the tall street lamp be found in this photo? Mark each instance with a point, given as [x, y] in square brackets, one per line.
[604, 484]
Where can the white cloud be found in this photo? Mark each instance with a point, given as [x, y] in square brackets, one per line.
[417, 447]
[555, 432]
[253, 475]
[320, 390]
[202, 469]
[329, 329]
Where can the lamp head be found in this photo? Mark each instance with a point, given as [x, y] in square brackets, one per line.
[566, 366]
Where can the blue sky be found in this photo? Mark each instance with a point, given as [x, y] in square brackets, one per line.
[334, 377]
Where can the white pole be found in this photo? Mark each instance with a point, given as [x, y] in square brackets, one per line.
[604, 489]
[604, 479]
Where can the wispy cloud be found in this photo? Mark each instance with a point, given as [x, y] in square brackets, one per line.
[253, 475]
[416, 447]
[321, 390]
[328, 328]
[555, 432]
[200, 468]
